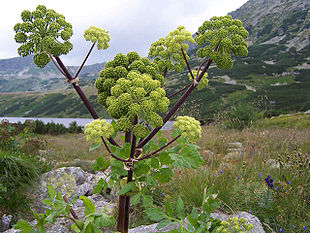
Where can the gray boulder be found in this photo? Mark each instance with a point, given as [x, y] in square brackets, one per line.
[257, 226]
[5, 222]
[70, 181]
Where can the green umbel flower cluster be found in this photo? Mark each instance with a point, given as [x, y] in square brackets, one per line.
[234, 225]
[189, 127]
[130, 86]
[97, 35]
[43, 32]
[203, 81]
[167, 51]
[96, 129]
[228, 34]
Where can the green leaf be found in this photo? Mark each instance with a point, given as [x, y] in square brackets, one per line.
[51, 191]
[135, 199]
[47, 202]
[106, 220]
[101, 164]
[180, 208]
[150, 181]
[94, 146]
[75, 228]
[141, 169]
[79, 224]
[122, 152]
[169, 209]
[23, 225]
[147, 201]
[127, 188]
[163, 175]
[89, 206]
[117, 168]
[98, 187]
[165, 158]
[155, 214]
[89, 228]
[191, 157]
[154, 163]
[162, 141]
[176, 132]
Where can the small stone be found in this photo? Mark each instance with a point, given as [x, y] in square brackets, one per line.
[232, 155]
[6, 222]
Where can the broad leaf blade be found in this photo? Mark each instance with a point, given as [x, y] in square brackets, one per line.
[89, 206]
[155, 214]
[127, 188]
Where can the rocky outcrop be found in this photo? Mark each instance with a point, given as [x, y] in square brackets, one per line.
[257, 226]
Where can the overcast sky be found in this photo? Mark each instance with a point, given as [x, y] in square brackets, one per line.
[132, 24]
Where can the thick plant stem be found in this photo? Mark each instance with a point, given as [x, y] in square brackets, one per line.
[188, 67]
[82, 96]
[121, 212]
[78, 90]
[177, 92]
[85, 59]
[165, 72]
[177, 105]
[156, 151]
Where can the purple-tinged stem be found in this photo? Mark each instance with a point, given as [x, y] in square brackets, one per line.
[57, 66]
[165, 72]
[71, 210]
[175, 93]
[85, 59]
[176, 106]
[163, 147]
[188, 67]
[82, 96]
[121, 212]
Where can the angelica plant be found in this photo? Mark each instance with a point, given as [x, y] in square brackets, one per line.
[131, 89]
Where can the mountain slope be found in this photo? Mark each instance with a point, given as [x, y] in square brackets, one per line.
[275, 76]
[20, 74]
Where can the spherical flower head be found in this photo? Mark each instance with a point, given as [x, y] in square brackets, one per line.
[226, 36]
[134, 110]
[167, 51]
[189, 127]
[162, 104]
[102, 97]
[98, 128]
[137, 65]
[139, 131]
[154, 119]
[124, 124]
[132, 56]
[43, 32]
[97, 35]
[121, 60]
[134, 74]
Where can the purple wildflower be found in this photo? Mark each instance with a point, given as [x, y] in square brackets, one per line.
[288, 182]
[304, 227]
[281, 230]
[215, 174]
[269, 182]
[163, 194]
[221, 171]
[250, 212]
[277, 188]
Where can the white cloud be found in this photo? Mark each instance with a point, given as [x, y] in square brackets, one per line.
[132, 24]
